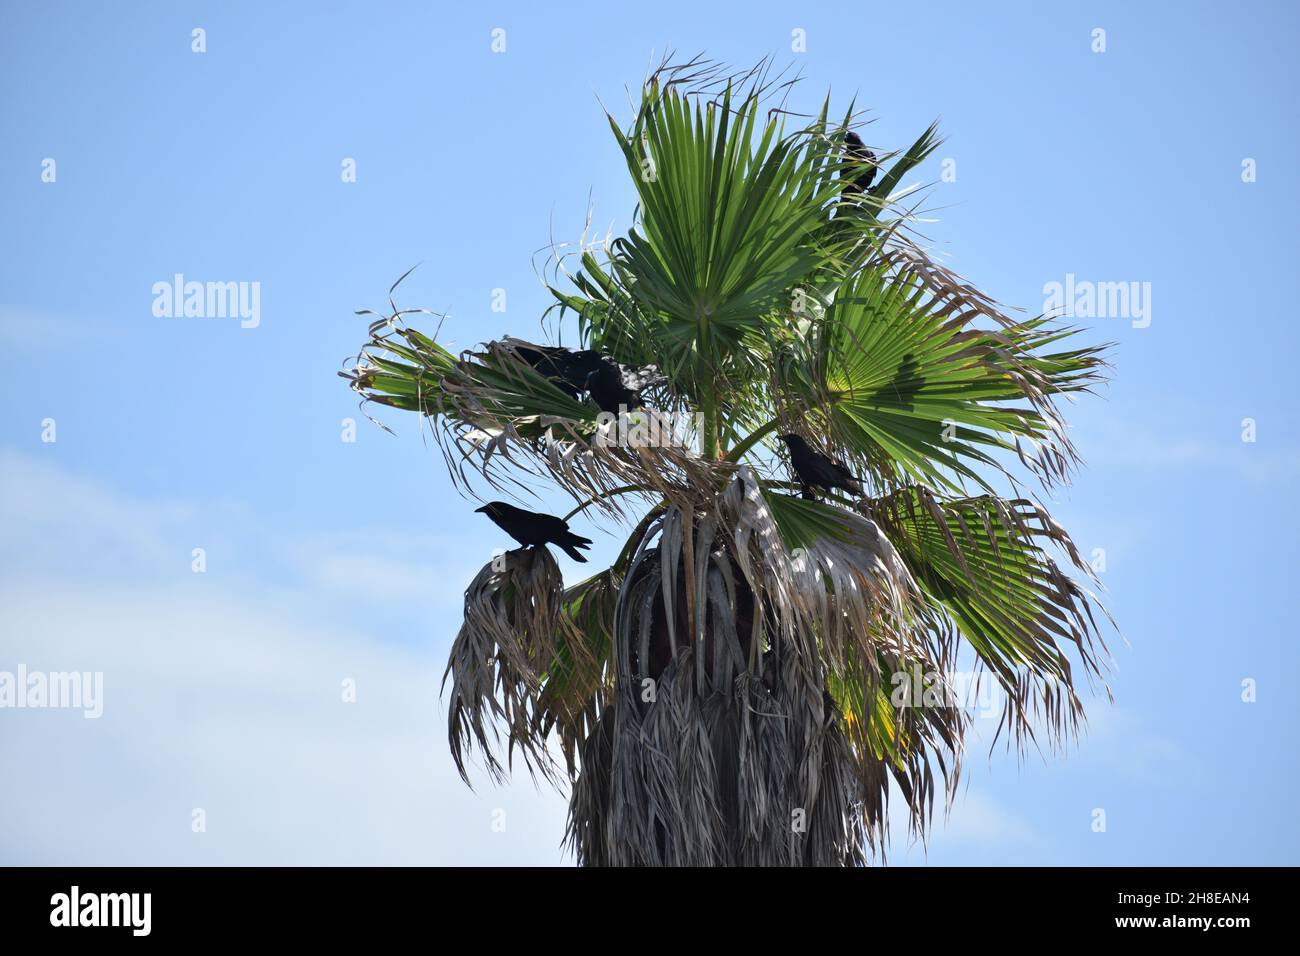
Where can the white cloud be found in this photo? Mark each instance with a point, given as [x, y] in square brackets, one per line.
[226, 697]
[385, 566]
[53, 517]
[977, 819]
[978, 830]
[1122, 743]
[224, 707]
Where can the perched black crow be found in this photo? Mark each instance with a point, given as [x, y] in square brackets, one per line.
[816, 471]
[859, 166]
[582, 363]
[566, 368]
[608, 383]
[606, 387]
[531, 528]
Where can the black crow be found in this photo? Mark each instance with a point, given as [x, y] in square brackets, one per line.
[859, 165]
[606, 388]
[817, 471]
[567, 369]
[608, 383]
[531, 528]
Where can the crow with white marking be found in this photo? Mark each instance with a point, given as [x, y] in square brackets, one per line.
[531, 529]
[574, 372]
[815, 471]
[608, 389]
[566, 369]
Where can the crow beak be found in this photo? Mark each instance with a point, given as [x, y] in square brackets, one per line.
[483, 509]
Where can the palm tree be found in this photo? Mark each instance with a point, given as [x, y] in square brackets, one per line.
[759, 671]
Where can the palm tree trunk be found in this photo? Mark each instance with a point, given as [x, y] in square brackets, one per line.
[712, 752]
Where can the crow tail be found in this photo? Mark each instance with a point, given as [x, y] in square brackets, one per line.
[570, 545]
[848, 481]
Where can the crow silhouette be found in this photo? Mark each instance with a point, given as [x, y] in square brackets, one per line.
[532, 529]
[567, 369]
[814, 470]
[859, 165]
[608, 383]
[606, 387]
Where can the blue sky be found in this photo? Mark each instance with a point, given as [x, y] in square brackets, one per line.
[329, 560]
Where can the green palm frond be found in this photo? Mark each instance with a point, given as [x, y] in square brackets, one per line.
[899, 743]
[918, 394]
[916, 154]
[495, 416]
[727, 205]
[986, 563]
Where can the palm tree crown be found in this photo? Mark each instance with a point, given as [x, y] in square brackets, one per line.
[768, 658]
